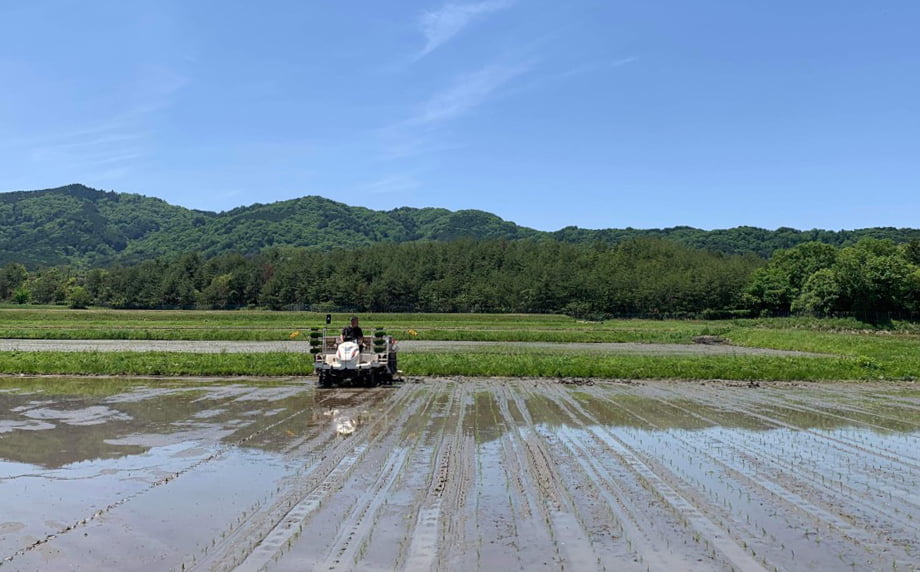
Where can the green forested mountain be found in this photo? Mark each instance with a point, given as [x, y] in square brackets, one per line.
[85, 227]
[79, 226]
[82, 226]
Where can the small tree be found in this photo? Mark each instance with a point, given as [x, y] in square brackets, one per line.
[820, 295]
[79, 298]
[22, 295]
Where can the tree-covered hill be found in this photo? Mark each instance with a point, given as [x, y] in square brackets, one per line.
[84, 227]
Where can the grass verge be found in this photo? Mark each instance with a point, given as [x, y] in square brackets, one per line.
[753, 368]
[510, 364]
[155, 364]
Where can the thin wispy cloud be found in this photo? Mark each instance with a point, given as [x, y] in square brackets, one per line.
[417, 134]
[595, 67]
[110, 159]
[396, 183]
[439, 26]
[468, 92]
[111, 146]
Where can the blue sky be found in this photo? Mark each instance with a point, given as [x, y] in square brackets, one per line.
[600, 114]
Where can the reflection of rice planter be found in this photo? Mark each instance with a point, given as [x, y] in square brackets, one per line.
[347, 363]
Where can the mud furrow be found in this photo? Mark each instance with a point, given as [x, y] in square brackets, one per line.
[654, 532]
[422, 551]
[740, 481]
[852, 420]
[494, 501]
[846, 445]
[738, 443]
[715, 536]
[353, 537]
[801, 460]
[344, 530]
[651, 550]
[842, 449]
[446, 487]
[274, 526]
[544, 492]
[828, 496]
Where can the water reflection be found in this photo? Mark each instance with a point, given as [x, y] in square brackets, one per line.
[53, 423]
[345, 413]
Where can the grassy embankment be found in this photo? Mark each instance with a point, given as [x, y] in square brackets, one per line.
[852, 351]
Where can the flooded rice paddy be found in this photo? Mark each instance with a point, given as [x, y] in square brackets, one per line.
[457, 474]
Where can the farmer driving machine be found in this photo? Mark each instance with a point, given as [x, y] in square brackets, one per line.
[351, 363]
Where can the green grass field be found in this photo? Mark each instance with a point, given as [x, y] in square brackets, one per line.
[851, 350]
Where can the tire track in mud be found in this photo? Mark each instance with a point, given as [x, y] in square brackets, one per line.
[446, 486]
[357, 529]
[544, 496]
[386, 536]
[358, 526]
[265, 532]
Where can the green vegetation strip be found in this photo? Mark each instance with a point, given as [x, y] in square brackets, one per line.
[155, 363]
[470, 364]
[880, 355]
[854, 350]
[639, 367]
[62, 324]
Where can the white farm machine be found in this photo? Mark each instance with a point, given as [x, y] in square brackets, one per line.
[348, 363]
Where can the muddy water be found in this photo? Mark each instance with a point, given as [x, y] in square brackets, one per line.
[457, 474]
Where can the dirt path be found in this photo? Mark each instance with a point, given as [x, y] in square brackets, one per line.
[404, 346]
[465, 474]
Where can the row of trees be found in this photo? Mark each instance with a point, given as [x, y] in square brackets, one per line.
[639, 276]
[642, 276]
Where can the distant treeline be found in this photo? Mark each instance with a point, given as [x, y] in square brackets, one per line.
[645, 275]
[637, 277]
